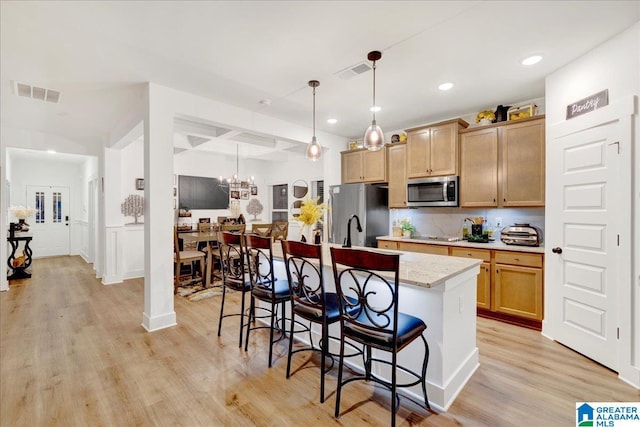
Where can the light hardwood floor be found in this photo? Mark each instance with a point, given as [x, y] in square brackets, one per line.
[73, 353]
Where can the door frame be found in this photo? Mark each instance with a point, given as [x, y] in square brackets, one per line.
[623, 111]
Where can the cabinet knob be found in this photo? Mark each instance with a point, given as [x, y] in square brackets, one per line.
[504, 200]
[516, 259]
[556, 250]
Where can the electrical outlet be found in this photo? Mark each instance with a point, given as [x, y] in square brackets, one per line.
[498, 221]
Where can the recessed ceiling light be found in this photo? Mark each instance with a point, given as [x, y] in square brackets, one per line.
[445, 86]
[332, 121]
[375, 108]
[51, 151]
[534, 59]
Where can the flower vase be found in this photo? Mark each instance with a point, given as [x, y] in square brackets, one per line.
[406, 234]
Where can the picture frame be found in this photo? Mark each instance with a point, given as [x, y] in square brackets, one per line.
[234, 194]
[175, 191]
[139, 183]
[244, 184]
[254, 190]
[244, 194]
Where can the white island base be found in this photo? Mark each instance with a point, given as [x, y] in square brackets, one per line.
[440, 290]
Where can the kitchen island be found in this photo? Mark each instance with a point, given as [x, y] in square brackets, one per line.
[441, 290]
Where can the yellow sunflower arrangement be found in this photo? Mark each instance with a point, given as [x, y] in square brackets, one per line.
[311, 212]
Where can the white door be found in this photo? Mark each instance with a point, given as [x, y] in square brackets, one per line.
[50, 225]
[582, 227]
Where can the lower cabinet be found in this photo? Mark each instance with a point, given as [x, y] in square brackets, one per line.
[423, 248]
[510, 284]
[517, 285]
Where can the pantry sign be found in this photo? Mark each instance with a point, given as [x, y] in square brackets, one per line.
[588, 104]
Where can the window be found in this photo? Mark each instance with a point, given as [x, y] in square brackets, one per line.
[39, 207]
[57, 207]
[280, 199]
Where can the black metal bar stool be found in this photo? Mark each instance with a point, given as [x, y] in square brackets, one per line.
[374, 319]
[232, 263]
[265, 287]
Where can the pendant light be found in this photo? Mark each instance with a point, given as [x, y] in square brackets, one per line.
[373, 137]
[314, 150]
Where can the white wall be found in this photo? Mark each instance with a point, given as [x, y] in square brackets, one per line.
[615, 65]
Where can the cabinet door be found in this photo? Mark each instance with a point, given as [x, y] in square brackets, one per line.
[352, 167]
[418, 146]
[523, 148]
[444, 150]
[479, 168]
[484, 286]
[518, 291]
[397, 170]
[374, 166]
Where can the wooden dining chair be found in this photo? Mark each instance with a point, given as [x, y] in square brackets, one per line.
[234, 228]
[279, 230]
[188, 257]
[263, 230]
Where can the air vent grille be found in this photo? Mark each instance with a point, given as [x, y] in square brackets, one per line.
[38, 93]
[354, 71]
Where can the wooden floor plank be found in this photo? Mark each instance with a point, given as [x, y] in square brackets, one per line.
[73, 353]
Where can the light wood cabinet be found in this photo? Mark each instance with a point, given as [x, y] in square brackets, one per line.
[433, 150]
[503, 165]
[479, 168]
[423, 248]
[397, 174]
[364, 166]
[523, 164]
[387, 244]
[509, 284]
[483, 297]
[517, 290]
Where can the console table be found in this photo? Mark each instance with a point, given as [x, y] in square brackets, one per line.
[19, 271]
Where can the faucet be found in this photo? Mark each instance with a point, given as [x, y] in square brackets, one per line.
[347, 243]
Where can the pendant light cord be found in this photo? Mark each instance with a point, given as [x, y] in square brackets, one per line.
[314, 111]
[374, 90]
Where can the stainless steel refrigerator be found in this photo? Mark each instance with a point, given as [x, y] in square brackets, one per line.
[369, 202]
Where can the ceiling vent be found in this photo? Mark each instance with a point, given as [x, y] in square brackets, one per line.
[354, 71]
[38, 93]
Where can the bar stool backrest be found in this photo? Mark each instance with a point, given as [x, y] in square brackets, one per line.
[232, 257]
[303, 263]
[260, 261]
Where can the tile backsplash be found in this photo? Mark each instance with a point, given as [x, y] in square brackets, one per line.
[448, 221]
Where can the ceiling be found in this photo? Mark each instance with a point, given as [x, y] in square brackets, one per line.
[99, 54]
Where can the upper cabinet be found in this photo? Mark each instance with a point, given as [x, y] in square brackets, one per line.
[364, 166]
[397, 174]
[503, 165]
[433, 150]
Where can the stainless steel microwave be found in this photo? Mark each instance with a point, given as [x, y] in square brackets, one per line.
[435, 191]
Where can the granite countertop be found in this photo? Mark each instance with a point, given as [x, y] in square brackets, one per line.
[497, 245]
[417, 269]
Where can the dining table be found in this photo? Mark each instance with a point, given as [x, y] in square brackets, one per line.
[210, 237]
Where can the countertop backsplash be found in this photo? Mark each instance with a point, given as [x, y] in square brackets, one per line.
[448, 221]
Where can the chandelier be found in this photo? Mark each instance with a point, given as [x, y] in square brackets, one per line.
[234, 185]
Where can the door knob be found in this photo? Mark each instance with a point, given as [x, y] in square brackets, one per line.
[556, 250]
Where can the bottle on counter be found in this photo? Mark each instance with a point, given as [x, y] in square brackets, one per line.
[465, 229]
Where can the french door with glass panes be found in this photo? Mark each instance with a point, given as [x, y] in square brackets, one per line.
[50, 224]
